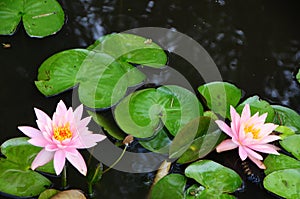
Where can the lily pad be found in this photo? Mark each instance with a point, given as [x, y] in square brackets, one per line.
[285, 131]
[292, 145]
[16, 178]
[220, 95]
[214, 176]
[258, 105]
[298, 76]
[170, 186]
[280, 162]
[103, 76]
[40, 18]
[195, 140]
[284, 183]
[145, 112]
[287, 117]
[195, 192]
[48, 193]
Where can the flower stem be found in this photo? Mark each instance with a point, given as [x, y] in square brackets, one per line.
[64, 178]
[118, 160]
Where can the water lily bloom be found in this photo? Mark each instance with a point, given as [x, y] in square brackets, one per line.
[249, 134]
[60, 137]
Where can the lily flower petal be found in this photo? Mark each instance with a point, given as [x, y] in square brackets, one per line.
[78, 162]
[224, 127]
[59, 161]
[42, 158]
[226, 145]
[29, 131]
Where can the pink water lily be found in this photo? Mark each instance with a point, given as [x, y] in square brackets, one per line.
[248, 134]
[61, 137]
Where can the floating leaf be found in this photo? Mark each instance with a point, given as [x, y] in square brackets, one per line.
[280, 162]
[103, 75]
[220, 95]
[258, 105]
[298, 76]
[195, 140]
[214, 176]
[284, 183]
[206, 194]
[40, 18]
[285, 131]
[106, 121]
[287, 117]
[170, 186]
[159, 143]
[143, 113]
[48, 193]
[15, 176]
[292, 145]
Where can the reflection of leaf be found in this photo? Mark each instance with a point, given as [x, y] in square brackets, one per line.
[170, 186]
[103, 74]
[40, 18]
[257, 105]
[144, 112]
[15, 176]
[214, 176]
[287, 117]
[284, 183]
[220, 95]
[292, 145]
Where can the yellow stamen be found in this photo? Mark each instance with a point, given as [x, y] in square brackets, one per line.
[62, 132]
[253, 131]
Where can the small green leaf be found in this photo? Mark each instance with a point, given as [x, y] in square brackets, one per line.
[40, 18]
[159, 143]
[258, 105]
[48, 193]
[170, 186]
[214, 176]
[219, 96]
[143, 113]
[106, 121]
[284, 183]
[195, 140]
[292, 145]
[285, 131]
[16, 178]
[280, 162]
[298, 76]
[287, 117]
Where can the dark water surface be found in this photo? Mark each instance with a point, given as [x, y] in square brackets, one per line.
[255, 44]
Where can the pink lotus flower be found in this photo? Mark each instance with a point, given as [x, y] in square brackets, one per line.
[249, 134]
[61, 137]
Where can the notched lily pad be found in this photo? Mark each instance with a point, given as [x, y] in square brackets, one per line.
[16, 178]
[40, 18]
[292, 145]
[287, 117]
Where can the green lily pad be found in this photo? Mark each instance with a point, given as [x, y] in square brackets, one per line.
[287, 117]
[103, 76]
[16, 178]
[214, 176]
[195, 140]
[192, 193]
[170, 186]
[106, 121]
[258, 105]
[298, 76]
[284, 183]
[279, 162]
[285, 131]
[48, 193]
[292, 145]
[40, 18]
[160, 143]
[145, 112]
[220, 95]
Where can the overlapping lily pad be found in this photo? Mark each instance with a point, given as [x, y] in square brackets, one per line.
[145, 112]
[219, 96]
[40, 18]
[103, 73]
[287, 117]
[258, 105]
[16, 178]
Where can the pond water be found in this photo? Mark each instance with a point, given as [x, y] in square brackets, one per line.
[255, 44]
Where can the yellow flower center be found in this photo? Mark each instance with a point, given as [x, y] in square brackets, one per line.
[62, 132]
[252, 130]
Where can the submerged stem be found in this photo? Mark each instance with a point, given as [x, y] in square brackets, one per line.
[118, 160]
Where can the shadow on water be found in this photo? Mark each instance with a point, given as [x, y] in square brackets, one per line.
[255, 44]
